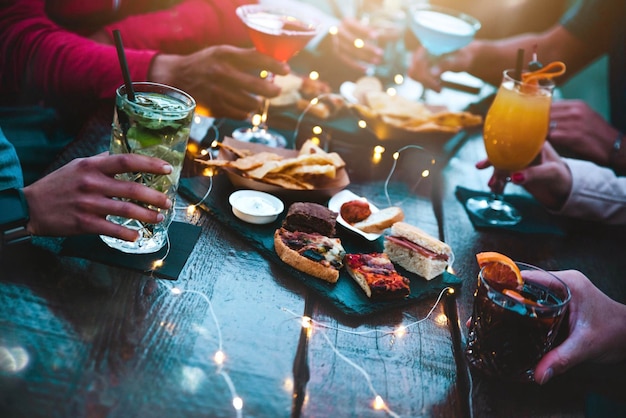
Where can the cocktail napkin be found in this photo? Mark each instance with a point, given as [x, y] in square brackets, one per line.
[183, 238]
[535, 219]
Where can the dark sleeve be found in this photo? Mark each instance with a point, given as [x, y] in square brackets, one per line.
[10, 169]
[40, 58]
[595, 21]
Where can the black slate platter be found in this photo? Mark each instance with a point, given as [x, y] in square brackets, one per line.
[345, 295]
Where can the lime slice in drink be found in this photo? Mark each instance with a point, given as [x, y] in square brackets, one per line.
[144, 137]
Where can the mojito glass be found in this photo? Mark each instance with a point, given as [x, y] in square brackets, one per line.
[157, 124]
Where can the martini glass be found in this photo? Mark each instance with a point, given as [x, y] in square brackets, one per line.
[441, 30]
[280, 33]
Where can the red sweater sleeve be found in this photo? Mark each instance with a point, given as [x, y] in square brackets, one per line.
[186, 27]
[40, 60]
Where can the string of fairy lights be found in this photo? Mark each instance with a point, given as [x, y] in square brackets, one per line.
[309, 324]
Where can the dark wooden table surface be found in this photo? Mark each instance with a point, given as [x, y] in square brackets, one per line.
[84, 339]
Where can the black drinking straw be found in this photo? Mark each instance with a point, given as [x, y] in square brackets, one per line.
[121, 55]
[519, 64]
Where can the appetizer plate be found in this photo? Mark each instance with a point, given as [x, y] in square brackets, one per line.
[342, 197]
[255, 207]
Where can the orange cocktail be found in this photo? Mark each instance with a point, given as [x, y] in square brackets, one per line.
[517, 123]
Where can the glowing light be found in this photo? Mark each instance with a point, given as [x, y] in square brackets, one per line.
[317, 130]
[191, 209]
[176, 291]
[396, 155]
[451, 271]
[425, 173]
[450, 291]
[202, 111]
[219, 357]
[379, 149]
[192, 147]
[359, 43]
[441, 319]
[306, 322]
[362, 124]
[398, 79]
[256, 119]
[197, 119]
[314, 75]
[378, 403]
[204, 151]
[314, 101]
[208, 172]
[288, 384]
[392, 91]
[400, 331]
[157, 264]
[333, 30]
[238, 403]
[264, 74]
[214, 143]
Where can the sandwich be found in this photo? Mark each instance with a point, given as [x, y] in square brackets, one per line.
[306, 241]
[416, 251]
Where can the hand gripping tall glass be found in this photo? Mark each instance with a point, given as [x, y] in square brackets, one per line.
[515, 129]
[156, 123]
[280, 33]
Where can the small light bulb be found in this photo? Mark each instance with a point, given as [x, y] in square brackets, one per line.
[379, 149]
[191, 209]
[264, 73]
[425, 173]
[362, 124]
[157, 264]
[219, 357]
[396, 155]
[400, 331]
[314, 75]
[314, 101]
[392, 91]
[359, 43]
[379, 403]
[317, 130]
[237, 403]
[398, 79]
[214, 143]
[176, 291]
[450, 290]
[306, 322]
[333, 30]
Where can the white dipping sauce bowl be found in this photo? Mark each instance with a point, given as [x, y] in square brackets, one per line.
[255, 207]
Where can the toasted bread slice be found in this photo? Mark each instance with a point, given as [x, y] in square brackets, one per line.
[377, 222]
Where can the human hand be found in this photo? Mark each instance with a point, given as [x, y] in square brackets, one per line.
[427, 69]
[223, 78]
[549, 181]
[76, 198]
[349, 30]
[597, 330]
[579, 129]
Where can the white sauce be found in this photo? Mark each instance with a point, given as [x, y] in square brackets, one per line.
[254, 205]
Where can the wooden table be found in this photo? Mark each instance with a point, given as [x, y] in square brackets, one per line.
[83, 339]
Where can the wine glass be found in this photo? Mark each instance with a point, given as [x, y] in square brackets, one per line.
[515, 129]
[441, 30]
[280, 33]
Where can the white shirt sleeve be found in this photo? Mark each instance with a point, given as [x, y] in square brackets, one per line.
[597, 193]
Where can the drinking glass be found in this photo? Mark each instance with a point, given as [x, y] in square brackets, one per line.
[441, 30]
[515, 129]
[510, 332]
[157, 123]
[281, 34]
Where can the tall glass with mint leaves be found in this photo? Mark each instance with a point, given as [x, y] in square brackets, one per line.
[157, 124]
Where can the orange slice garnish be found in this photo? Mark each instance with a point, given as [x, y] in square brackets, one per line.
[550, 71]
[500, 271]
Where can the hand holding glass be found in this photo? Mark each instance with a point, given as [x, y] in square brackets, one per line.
[157, 123]
[509, 333]
[281, 34]
[515, 129]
